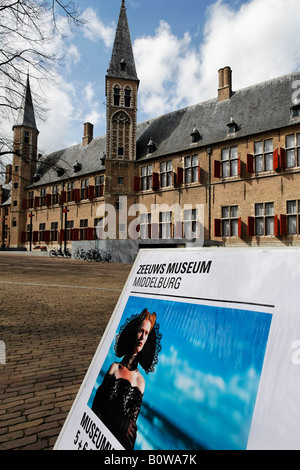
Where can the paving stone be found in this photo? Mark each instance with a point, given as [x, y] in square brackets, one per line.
[51, 335]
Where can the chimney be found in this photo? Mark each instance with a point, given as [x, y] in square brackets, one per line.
[87, 134]
[225, 84]
[8, 174]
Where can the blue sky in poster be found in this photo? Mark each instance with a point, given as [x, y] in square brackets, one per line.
[208, 372]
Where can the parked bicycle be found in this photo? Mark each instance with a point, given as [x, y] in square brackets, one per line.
[106, 257]
[59, 253]
[80, 254]
[93, 255]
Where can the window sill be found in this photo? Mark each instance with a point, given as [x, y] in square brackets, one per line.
[230, 178]
[192, 183]
[263, 173]
[233, 237]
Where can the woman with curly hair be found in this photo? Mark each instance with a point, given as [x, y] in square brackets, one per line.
[119, 398]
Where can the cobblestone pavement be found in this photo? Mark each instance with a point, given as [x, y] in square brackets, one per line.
[53, 313]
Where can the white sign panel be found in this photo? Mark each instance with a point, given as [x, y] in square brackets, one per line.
[202, 352]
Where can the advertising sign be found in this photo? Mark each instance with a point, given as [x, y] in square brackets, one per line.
[202, 352]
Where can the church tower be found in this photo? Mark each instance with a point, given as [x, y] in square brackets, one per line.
[24, 165]
[121, 92]
[122, 86]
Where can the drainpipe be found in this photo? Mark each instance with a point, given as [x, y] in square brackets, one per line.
[209, 151]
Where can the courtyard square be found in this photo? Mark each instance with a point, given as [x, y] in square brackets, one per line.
[53, 313]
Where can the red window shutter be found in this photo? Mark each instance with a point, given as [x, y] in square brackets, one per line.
[251, 227]
[279, 157]
[24, 204]
[136, 184]
[101, 190]
[217, 169]
[35, 237]
[62, 235]
[47, 235]
[218, 228]
[239, 166]
[240, 227]
[199, 174]
[276, 160]
[90, 234]
[250, 163]
[63, 197]
[48, 200]
[155, 181]
[23, 237]
[75, 232]
[283, 225]
[276, 225]
[91, 192]
[77, 195]
[282, 154]
[179, 177]
[36, 201]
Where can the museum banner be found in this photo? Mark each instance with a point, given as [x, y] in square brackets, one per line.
[201, 352]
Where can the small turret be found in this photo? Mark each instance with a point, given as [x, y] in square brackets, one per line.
[23, 165]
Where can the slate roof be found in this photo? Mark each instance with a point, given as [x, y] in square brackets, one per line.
[256, 109]
[6, 195]
[7, 203]
[122, 50]
[89, 157]
[26, 115]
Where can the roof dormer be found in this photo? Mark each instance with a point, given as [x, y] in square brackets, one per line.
[77, 167]
[195, 134]
[232, 126]
[151, 146]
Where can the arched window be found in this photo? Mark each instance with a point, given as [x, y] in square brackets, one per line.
[26, 137]
[117, 91]
[127, 97]
[120, 128]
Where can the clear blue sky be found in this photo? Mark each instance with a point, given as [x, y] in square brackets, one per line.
[178, 46]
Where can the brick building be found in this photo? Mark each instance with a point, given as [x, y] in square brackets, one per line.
[237, 155]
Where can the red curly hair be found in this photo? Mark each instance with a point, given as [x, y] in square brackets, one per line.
[151, 317]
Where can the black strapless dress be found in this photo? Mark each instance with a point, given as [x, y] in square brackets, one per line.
[118, 404]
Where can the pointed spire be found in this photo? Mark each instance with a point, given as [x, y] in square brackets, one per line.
[122, 64]
[26, 115]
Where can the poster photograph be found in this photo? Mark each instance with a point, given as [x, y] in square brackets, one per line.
[191, 359]
[207, 373]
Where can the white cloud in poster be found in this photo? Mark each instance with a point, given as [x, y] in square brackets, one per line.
[209, 401]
